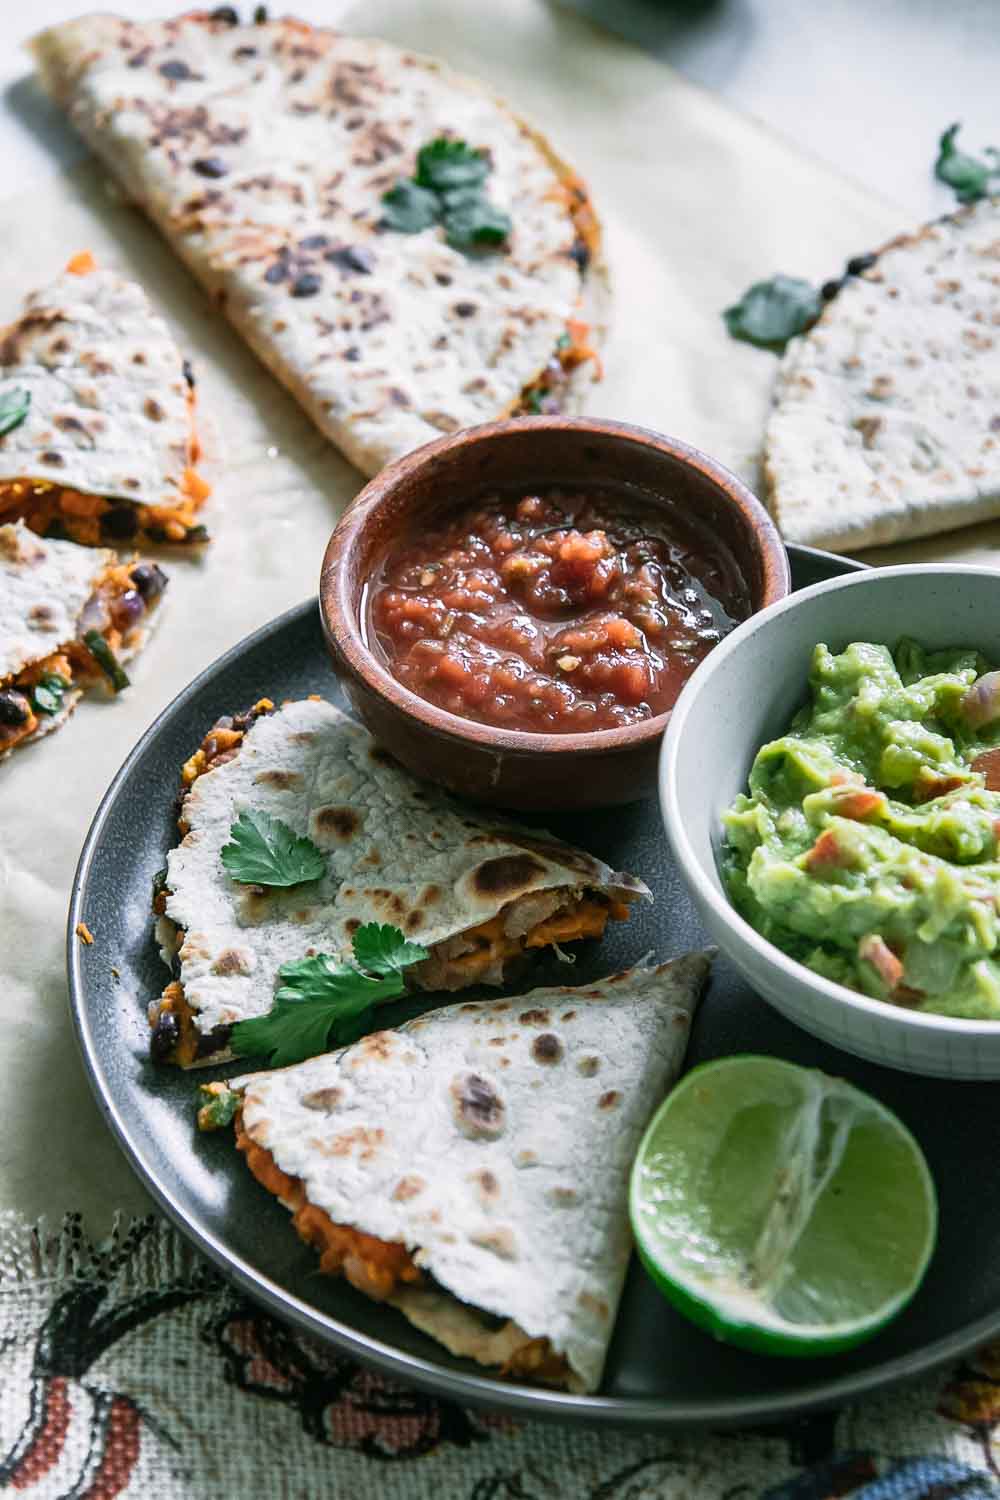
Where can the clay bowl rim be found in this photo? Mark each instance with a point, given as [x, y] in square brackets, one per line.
[341, 618]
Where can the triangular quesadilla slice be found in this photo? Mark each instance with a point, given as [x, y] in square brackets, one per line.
[886, 422]
[69, 618]
[471, 1168]
[264, 153]
[97, 439]
[477, 892]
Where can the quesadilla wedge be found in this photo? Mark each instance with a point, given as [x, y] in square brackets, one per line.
[886, 421]
[476, 892]
[69, 617]
[471, 1168]
[103, 449]
[264, 153]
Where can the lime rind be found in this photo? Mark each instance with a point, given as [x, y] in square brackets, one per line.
[831, 1127]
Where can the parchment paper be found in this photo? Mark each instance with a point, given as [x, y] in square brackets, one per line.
[697, 201]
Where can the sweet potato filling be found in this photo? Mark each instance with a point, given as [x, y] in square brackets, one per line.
[115, 607]
[174, 1003]
[93, 520]
[376, 1267]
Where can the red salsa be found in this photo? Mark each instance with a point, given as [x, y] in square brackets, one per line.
[558, 612]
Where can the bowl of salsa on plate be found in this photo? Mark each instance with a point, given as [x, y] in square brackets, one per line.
[515, 609]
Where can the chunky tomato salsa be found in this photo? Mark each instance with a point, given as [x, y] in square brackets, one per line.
[560, 612]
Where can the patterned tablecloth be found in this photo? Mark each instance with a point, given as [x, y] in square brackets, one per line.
[134, 1370]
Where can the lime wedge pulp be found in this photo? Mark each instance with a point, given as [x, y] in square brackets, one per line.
[781, 1209]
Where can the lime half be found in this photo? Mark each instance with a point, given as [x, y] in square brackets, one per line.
[781, 1209]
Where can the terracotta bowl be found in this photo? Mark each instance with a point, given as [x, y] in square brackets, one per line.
[506, 767]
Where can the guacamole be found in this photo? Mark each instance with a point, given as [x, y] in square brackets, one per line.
[868, 847]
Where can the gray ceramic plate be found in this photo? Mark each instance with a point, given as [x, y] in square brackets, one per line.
[661, 1371]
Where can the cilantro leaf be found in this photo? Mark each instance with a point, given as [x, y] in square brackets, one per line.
[323, 1001]
[476, 222]
[771, 312]
[14, 406]
[966, 175]
[409, 208]
[265, 851]
[444, 164]
[382, 949]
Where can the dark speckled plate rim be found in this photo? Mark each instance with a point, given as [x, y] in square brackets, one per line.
[467, 1389]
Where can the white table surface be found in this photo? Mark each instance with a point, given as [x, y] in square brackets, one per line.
[866, 85]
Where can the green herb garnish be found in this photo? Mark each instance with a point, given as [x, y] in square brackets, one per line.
[47, 693]
[968, 176]
[106, 659]
[324, 1002]
[13, 408]
[409, 208]
[476, 223]
[265, 851]
[449, 188]
[221, 1104]
[443, 165]
[772, 312]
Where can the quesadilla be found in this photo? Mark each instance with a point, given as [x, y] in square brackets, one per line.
[476, 892]
[471, 1168]
[69, 617]
[101, 446]
[265, 153]
[886, 421]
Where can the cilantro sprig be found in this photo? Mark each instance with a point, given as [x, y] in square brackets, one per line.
[265, 851]
[14, 405]
[324, 1001]
[968, 176]
[449, 188]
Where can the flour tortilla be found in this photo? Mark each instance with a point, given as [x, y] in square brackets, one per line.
[109, 411]
[397, 851]
[45, 587]
[514, 1194]
[263, 151]
[886, 422]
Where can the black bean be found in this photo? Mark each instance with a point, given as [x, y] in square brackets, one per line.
[829, 290]
[175, 69]
[225, 13]
[149, 580]
[859, 263]
[464, 309]
[353, 353]
[213, 1041]
[166, 1035]
[210, 166]
[260, 15]
[188, 373]
[195, 535]
[277, 272]
[120, 523]
[314, 242]
[306, 285]
[14, 708]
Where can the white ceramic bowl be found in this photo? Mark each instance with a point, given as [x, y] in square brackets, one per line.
[745, 693]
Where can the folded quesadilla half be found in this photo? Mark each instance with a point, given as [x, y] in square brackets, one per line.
[476, 892]
[471, 1168]
[886, 421]
[265, 152]
[100, 446]
[69, 617]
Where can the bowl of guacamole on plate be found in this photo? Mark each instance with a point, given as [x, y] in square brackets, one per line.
[867, 845]
[830, 785]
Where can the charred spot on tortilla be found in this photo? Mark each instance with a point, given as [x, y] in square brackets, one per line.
[535, 1017]
[233, 961]
[508, 875]
[341, 822]
[324, 1101]
[609, 1100]
[547, 1048]
[588, 1066]
[477, 1107]
[408, 1187]
[501, 1241]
